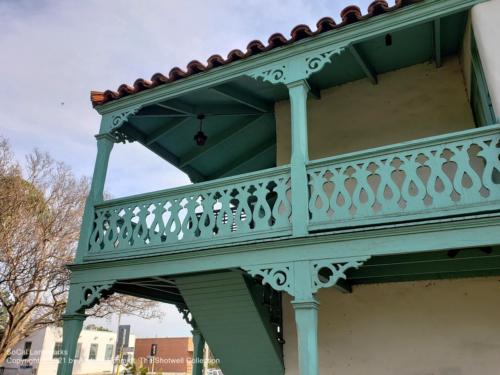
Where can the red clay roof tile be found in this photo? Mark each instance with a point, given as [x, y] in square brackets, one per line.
[351, 14]
[348, 15]
[325, 24]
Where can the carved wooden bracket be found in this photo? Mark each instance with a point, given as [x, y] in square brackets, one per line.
[92, 295]
[86, 296]
[296, 68]
[187, 315]
[119, 118]
[112, 122]
[302, 279]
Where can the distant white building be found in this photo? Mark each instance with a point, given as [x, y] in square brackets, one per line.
[38, 353]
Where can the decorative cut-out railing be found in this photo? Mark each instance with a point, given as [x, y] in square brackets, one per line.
[437, 177]
[255, 205]
[432, 177]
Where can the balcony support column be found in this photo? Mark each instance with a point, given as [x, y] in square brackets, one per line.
[81, 296]
[72, 327]
[302, 279]
[306, 319]
[198, 346]
[73, 319]
[105, 144]
[298, 92]
[306, 306]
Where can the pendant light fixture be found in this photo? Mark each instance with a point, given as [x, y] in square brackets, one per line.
[200, 138]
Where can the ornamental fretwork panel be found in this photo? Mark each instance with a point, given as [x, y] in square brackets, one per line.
[258, 206]
[302, 279]
[423, 180]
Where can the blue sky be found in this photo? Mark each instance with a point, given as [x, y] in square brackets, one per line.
[53, 52]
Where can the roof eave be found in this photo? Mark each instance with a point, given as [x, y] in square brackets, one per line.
[353, 33]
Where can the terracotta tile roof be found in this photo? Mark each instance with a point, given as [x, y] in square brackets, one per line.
[349, 15]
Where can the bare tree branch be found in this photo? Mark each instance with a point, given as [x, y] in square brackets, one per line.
[40, 216]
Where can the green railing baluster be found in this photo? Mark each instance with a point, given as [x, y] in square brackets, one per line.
[419, 179]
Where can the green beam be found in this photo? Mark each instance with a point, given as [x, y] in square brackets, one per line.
[244, 98]
[162, 152]
[137, 291]
[178, 106]
[165, 130]
[477, 264]
[437, 42]
[156, 111]
[245, 158]
[166, 281]
[428, 276]
[159, 115]
[415, 238]
[216, 140]
[212, 109]
[344, 286]
[364, 65]
[314, 91]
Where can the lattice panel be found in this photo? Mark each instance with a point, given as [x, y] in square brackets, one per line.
[424, 180]
[225, 212]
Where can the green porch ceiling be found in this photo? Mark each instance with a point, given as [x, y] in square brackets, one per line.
[435, 265]
[240, 122]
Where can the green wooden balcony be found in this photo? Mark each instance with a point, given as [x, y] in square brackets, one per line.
[441, 177]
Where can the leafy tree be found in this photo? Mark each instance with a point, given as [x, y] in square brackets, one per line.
[93, 327]
[41, 208]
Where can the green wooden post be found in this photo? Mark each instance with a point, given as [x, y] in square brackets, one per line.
[306, 319]
[198, 345]
[298, 102]
[105, 144]
[72, 327]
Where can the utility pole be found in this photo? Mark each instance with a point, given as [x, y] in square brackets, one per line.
[117, 343]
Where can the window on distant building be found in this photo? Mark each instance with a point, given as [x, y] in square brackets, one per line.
[109, 352]
[78, 350]
[93, 351]
[27, 350]
[57, 350]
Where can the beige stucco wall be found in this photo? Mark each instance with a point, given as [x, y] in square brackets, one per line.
[406, 104]
[448, 327]
[486, 25]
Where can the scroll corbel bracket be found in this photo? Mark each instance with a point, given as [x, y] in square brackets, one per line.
[112, 123]
[85, 296]
[278, 276]
[273, 74]
[93, 294]
[187, 315]
[296, 68]
[327, 273]
[302, 279]
[316, 62]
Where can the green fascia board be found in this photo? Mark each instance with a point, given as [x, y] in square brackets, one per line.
[351, 34]
[473, 232]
